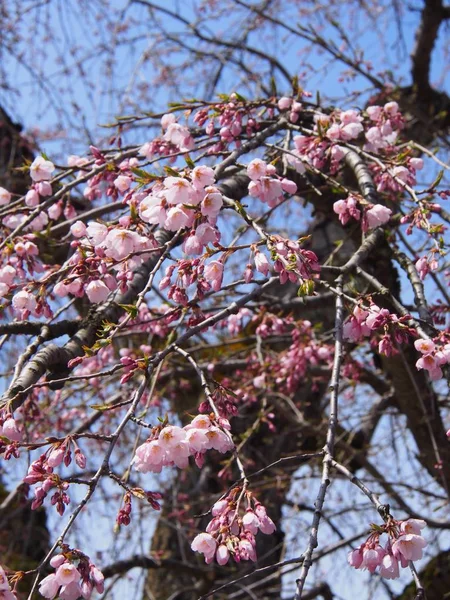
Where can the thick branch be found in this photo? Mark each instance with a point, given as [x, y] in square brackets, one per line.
[58, 329]
[433, 14]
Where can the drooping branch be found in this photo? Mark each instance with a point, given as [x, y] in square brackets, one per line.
[54, 358]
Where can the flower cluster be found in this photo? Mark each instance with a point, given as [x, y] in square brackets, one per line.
[433, 357]
[266, 185]
[347, 126]
[41, 171]
[177, 201]
[425, 264]
[231, 534]
[75, 577]
[5, 589]
[374, 215]
[387, 122]
[404, 544]
[172, 445]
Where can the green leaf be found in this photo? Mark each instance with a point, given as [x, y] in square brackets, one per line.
[190, 163]
[131, 309]
[239, 97]
[171, 171]
[306, 288]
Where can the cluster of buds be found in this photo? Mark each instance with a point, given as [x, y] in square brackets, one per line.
[289, 104]
[5, 589]
[363, 322]
[172, 445]
[266, 185]
[433, 357]
[224, 401]
[304, 353]
[75, 577]
[404, 544]
[230, 534]
[41, 471]
[234, 117]
[124, 514]
[294, 264]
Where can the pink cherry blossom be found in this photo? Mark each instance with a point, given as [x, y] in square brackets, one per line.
[41, 169]
[78, 229]
[372, 557]
[374, 112]
[205, 544]
[5, 196]
[45, 189]
[206, 233]
[96, 232]
[197, 440]
[284, 103]
[167, 119]
[7, 274]
[180, 136]
[123, 183]
[425, 346]
[32, 198]
[378, 215]
[412, 526]
[24, 301]
[170, 436]
[222, 555]
[261, 263]
[218, 440]
[389, 568]
[67, 573]
[177, 190]
[355, 558]
[149, 457]
[416, 163]
[256, 169]
[152, 210]
[49, 586]
[179, 217]
[70, 591]
[213, 274]
[11, 430]
[202, 176]
[410, 546]
[211, 203]
[251, 522]
[57, 560]
[97, 291]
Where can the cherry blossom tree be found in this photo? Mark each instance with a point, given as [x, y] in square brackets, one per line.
[224, 308]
